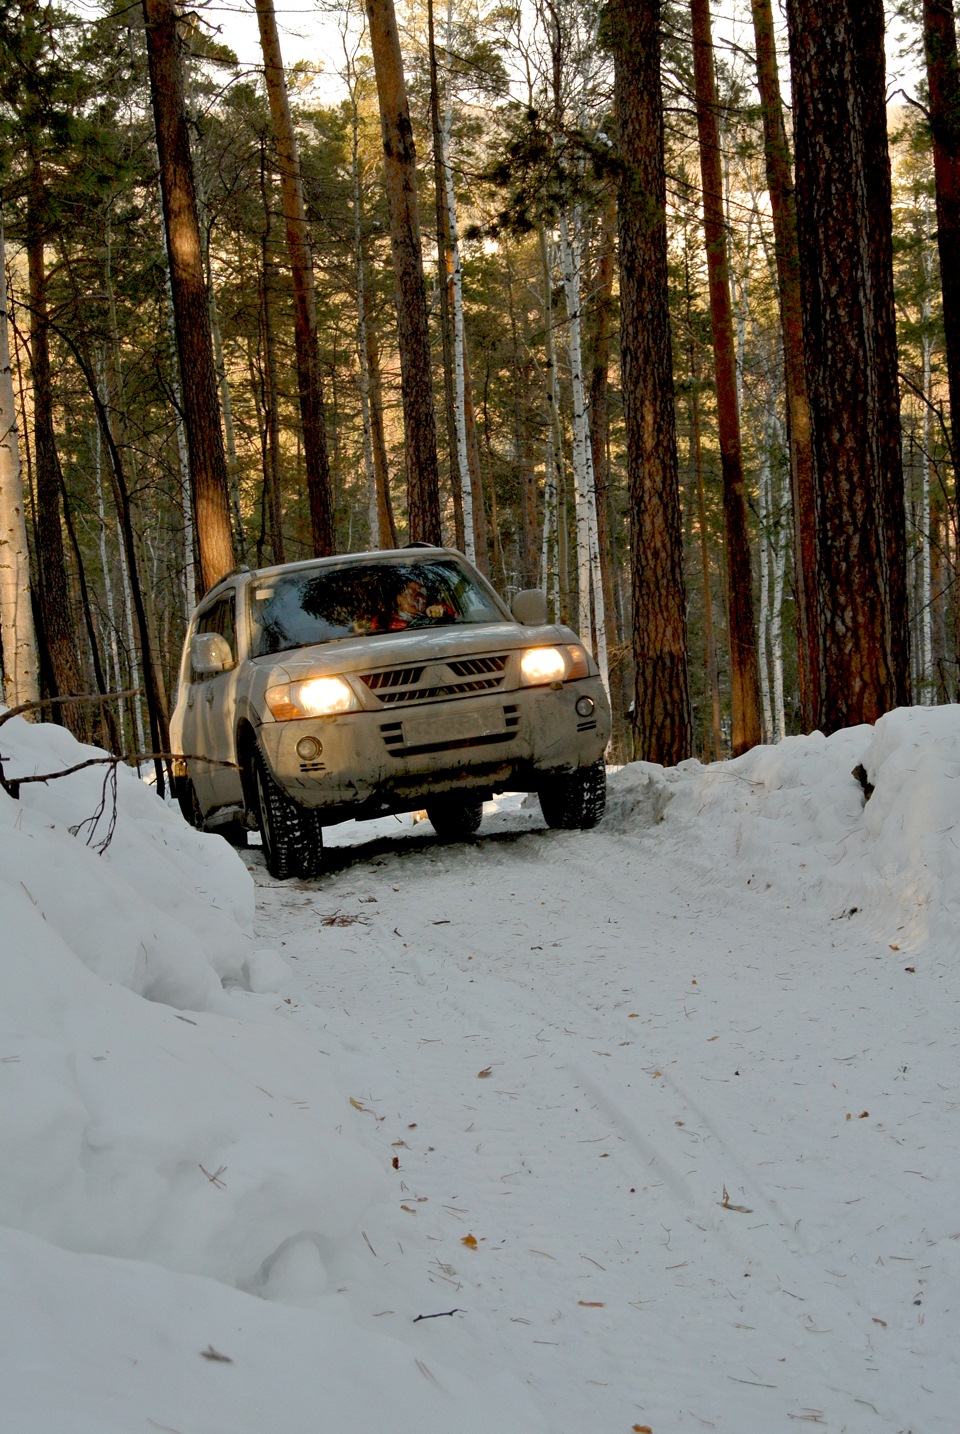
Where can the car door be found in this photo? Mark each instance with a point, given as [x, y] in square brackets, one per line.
[210, 713]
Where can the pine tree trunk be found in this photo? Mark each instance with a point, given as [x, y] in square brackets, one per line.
[444, 276]
[20, 664]
[416, 381]
[309, 383]
[208, 467]
[943, 78]
[388, 526]
[784, 211]
[744, 683]
[844, 228]
[272, 506]
[662, 720]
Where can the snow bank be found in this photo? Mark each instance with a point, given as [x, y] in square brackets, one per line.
[149, 1139]
[163, 910]
[794, 817]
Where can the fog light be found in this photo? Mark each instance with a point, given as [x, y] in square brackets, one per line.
[308, 748]
[584, 706]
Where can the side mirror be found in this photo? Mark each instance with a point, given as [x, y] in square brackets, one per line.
[209, 654]
[530, 607]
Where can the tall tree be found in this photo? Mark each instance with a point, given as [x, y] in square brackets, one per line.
[844, 225]
[784, 210]
[662, 710]
[208, 464]
[400, 173]
[305, 308]
[20, 668]
[943, 78]
[744, 677]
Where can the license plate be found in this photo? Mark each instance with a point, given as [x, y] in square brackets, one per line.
[452, 727]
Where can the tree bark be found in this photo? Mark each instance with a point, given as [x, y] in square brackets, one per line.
[309, 383]
[381, 466]
[744, 683]
[662, 721]
[416, 381]
[599, 407]
[444, 275]
[208, 466]
[784, 210]
[57, 618]
[20, 664]
[844, 228]
[943, 78]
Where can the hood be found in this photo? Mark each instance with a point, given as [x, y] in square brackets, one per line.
[402, 649]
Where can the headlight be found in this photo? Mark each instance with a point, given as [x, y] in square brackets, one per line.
[313, 697]
[542, 664]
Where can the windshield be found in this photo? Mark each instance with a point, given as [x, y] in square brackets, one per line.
[315, 605]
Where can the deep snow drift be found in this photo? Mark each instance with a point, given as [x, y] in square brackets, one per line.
[740, 993]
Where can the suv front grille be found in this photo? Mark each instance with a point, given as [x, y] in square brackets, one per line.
[406, 684]
[392, 734]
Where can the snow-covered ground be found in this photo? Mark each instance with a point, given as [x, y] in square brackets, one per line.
[651, 1127]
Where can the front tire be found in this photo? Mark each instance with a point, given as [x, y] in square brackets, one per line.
[188, 803]
[455, 818]
[575, 801]
[292, 835]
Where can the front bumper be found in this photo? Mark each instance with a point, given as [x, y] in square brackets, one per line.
[394, 759]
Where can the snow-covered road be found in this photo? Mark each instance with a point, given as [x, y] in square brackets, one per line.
[653, 1127]
[668, 1142]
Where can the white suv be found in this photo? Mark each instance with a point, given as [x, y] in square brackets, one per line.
[355, 686]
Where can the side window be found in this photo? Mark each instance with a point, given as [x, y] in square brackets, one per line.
[220, 618]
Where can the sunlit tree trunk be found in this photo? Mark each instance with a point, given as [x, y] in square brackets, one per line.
[662, 720]
[740, 610]
[602, 306]
[444, 273]
[309, 385]
[20, 663]
[590, 586]
[59, 627]
[943, 78]
[784, 212]
[208, 467]
[183, 457]
[844, 226]
[554, 456]
[416, 382]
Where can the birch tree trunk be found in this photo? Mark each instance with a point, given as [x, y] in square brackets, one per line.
[113, 645]
[554, 448]
[59, 627]
[20, 663]
[590, 584]
[763, 515]
[599, 408]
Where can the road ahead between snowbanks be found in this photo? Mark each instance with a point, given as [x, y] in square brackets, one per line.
[669, 1142]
